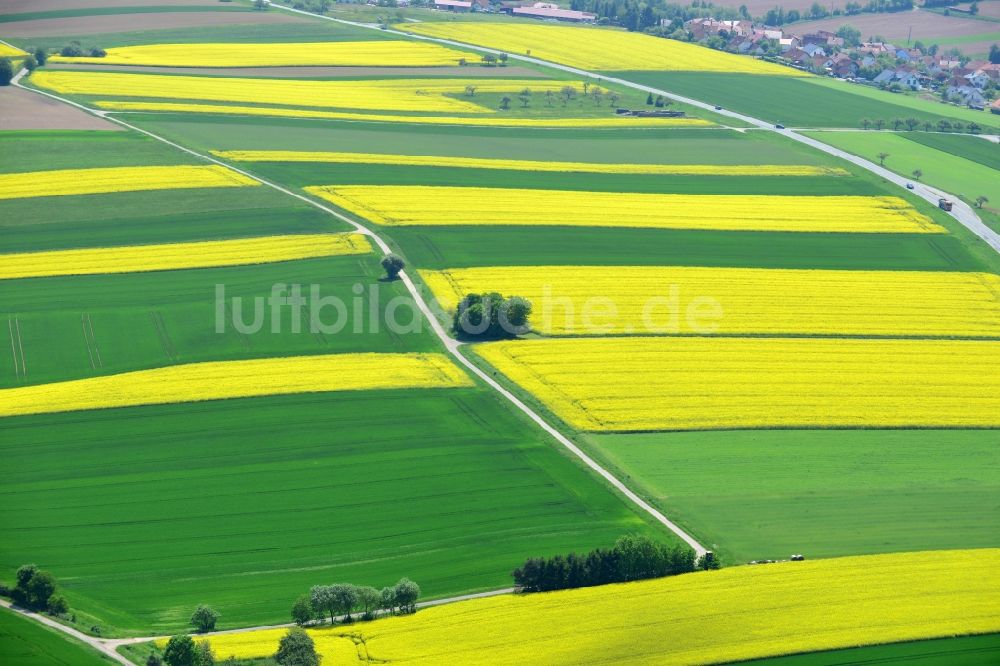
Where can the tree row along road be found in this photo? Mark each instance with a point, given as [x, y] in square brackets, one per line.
[961, 211]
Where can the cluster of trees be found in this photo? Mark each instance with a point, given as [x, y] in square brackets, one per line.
[995, 54]
[491, 316]
[631, 558]
[296, 648]
[76, 50]
[911, 124]
[344, 599]
[36, 589]
[636, 15]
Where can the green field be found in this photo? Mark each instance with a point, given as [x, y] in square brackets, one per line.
[82, 326]
[244, 504]
[631, 145]
[823, 493]
[940, 157]
[963, 651]
[24, 642]
[806, 103]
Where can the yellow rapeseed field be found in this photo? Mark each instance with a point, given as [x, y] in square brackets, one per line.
[363, 53]
[596, 48]
[171, 256]
[479, 121]
[7, 51]
[529, 165]
[104, 180]
[432, 205]
[691, 383]
[599, 300]
[709, 617]
[429, 95]
[219, 380]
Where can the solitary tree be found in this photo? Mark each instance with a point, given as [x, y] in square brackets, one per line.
[296, 648]
[613, 98]
[896, 122]
[912, 123]
[260, 5]
[568, 93]
[981, 200]
[974, 128]
[882, 157]
[866, 123]
[525, 97]
[204, 618]
[302, 610]
[879, 123]
[597, 94]
[154, 660]
[368, 601]
[943, 125]
[503, 59]
[6, 72]
[505, 102]
[549, 95]
[489, 59]
[180, 651]
[470, 91]
[928, 126]
[203, 654]
[41, 56]
[407, 593]
[393, 264]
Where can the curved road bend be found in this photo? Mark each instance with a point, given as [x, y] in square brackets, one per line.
[961, 211]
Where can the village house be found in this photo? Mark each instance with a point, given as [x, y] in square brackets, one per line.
[453, 5]
[545, 10]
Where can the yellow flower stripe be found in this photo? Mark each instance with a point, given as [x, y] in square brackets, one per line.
[431, 205]
[597, 48]
[711, 617]
[362, 53]
[689, 383]
[381, 94]
[478, 121]
[528, 165]
[598, 300]
[65, 182]
[172, 256]
[219, 380]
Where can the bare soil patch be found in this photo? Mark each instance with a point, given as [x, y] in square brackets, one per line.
[24, 6]
[25, 110]
[95, 25]
[926, 26]
[314, 72]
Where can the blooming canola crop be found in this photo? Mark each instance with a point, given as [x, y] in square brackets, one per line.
[597, 48]
[712, 617]
[105, 180]
[432, 205]
[219, 380]
[691, 383]
[598, 300]
[396, 53]
[172, 256]
[528, 165]
[425, 95]
[477, 120]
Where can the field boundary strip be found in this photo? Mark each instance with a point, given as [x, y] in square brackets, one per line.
[451, 346]
[791, 170]
[108, 180]
[179, 256]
